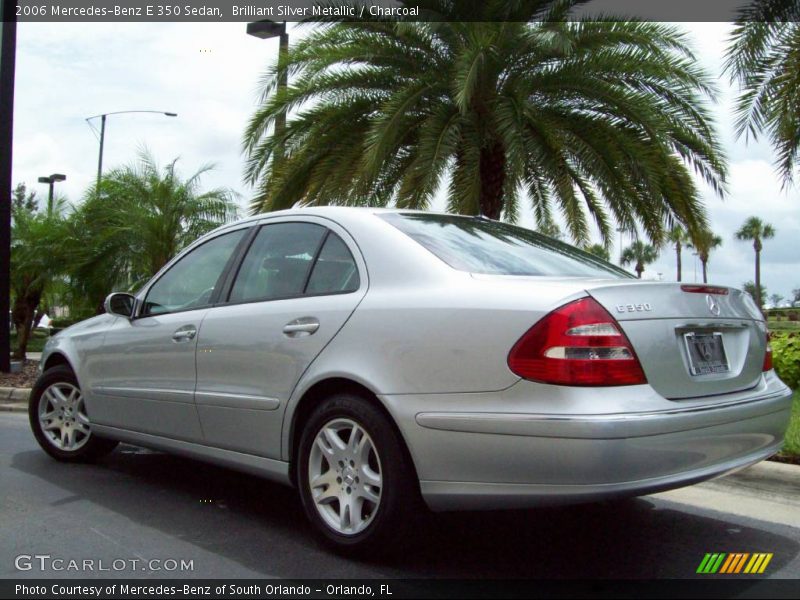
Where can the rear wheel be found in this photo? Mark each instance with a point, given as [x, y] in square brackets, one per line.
[357, 485]
[59, 421]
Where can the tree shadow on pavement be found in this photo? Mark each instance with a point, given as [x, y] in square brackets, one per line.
[261, 526]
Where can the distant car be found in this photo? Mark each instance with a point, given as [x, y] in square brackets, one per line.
[372, 358]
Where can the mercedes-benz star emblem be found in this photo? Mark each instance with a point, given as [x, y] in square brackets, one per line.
[713, 305]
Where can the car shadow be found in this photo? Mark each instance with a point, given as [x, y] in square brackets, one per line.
[261, 526]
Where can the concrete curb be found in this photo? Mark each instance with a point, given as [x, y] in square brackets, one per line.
[10, 394]
[779, 481]
[21, 407]
[764, 492]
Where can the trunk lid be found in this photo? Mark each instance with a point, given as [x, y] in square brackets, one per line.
[692, 340]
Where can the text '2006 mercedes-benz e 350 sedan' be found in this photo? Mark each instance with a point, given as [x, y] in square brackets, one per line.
[381, 360]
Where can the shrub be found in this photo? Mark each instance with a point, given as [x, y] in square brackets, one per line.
[786, 357]
[63, 323]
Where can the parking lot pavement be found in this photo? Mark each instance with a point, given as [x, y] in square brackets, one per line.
[147, 505]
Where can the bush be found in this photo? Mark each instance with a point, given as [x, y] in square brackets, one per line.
[63, 323]
[786, 357]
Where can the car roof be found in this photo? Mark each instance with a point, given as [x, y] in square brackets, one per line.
[338, 212]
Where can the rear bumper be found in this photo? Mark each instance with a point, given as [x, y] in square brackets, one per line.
[460, 495]
[507, 457]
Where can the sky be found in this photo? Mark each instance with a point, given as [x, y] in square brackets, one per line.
[208, 73]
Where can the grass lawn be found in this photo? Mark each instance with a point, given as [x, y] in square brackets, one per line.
[35, 343]
[792, 445]
[783, 325]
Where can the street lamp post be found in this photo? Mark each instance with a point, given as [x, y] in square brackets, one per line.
[8, 50]
[264, 30]
[103, 131]
[51, 181]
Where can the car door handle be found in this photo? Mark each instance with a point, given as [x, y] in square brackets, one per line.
[184, 334]
[301, 327]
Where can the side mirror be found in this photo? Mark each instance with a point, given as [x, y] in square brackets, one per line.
[119, 304]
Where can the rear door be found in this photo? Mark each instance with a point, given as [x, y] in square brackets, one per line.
[297, 285]
[692, 340]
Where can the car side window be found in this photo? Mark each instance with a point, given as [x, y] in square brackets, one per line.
[190, 283]
[335, 271]
[278, 262]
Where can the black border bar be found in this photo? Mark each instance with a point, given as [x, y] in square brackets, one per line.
[398, 589]
[355, 10]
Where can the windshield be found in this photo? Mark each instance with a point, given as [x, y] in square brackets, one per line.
[480, 245]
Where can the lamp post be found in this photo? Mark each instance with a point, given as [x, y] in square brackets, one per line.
[103, 131]
[264, 30]
[8, 49]
[51, 181]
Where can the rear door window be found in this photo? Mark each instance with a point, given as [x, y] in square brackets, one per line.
[278, 262]
[335, 271]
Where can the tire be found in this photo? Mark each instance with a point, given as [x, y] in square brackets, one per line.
[70, 439]
[376, 516]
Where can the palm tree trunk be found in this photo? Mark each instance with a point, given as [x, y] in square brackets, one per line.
[704, 262]
[23, 315]
[758, 277]
[493, 175]
[639, 268]
[678, 254]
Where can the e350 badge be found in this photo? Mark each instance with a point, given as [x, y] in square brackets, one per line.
[639, 307]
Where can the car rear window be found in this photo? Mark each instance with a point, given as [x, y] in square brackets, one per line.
[479, 245]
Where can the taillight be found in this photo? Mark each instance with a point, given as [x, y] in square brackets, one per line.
[767, 356]
[579, 343]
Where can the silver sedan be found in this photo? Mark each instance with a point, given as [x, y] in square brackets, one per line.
[381, 361]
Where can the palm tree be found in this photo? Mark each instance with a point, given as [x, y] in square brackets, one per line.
[759, 296]
[755, 230]
[641, 254]
[762, 58]
[597, 119]
[678, 236]
[550, 229]
[599, 251]
[36, 263]
[139, 217]
[704, 242]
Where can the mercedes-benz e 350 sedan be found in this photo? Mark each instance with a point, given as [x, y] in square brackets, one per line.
[376, 358]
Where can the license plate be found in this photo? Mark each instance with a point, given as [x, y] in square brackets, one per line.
[706, 353]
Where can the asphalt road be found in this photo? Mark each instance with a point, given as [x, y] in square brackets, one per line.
[138, 504]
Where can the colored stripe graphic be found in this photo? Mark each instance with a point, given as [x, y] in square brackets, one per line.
[711, 563]
[733, 563]
[741, 562]
[732, 558]
[758, 563]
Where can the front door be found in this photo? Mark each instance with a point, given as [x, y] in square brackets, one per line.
[146, 371]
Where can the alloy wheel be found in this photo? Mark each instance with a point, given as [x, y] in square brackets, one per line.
[344, 476]
[62, 417]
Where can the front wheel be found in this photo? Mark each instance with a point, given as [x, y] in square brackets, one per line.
[59, 421]
[357, 485]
